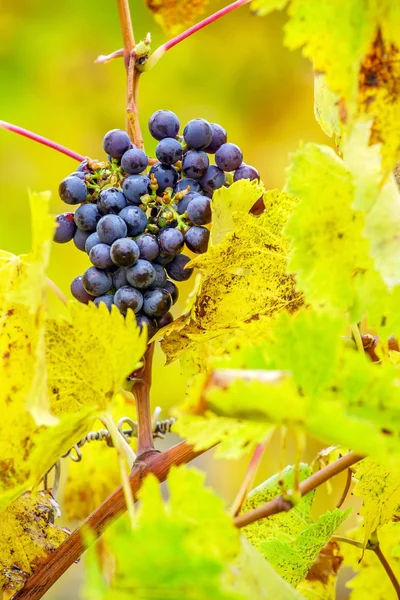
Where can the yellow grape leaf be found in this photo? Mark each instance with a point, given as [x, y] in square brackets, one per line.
[243, 277]
[176, 15]
[264, 7]
[379, 489]
[27, 538]
[327, 106]
[89, 355]
[239, 197]
[320, 583]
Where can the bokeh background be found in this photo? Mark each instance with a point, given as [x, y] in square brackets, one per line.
[235, 72]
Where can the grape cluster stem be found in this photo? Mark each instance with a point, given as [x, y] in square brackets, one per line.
[141, 392]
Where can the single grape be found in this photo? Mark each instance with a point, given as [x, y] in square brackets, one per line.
[228, 157]
[184, 203]
[107, 299]
[66, 228]
[72, 190]
[198, 134]
[170, 241]
[258, 207]
[141, 275]
[196, 239]
[157, 302]
[135, 219]
[79, 292]
[124, 252]
[96, 282]
[176, 269]
[119, 278]
[135, 186]
[143, 320]
[166, 176]
[84, 166]
[172, 289]
[148, 246]
[160, 277]
[91, 241]
[100, 256]
[87, 216]
[213, 179]
[111, 228]
[164, 260]
[169, 151]
[134, 161]
[111, 200]
[219, 137]
[79, 174]
[199, 211]
[187, 184]
[163, 124]
[128, 297]
[165, 320]
[80, 238]
[195, 164]
[246, 172]
[116, 142]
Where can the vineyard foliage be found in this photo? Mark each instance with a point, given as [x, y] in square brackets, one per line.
[285, 293]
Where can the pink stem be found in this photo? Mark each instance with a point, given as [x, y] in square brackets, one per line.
[42, 140]
[104, 58]
[248, 478]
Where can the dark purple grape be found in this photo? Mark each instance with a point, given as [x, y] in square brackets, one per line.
[176, 269]
[164, 260]
[135, 219]
[136, 186]
[148, 246]
[228, 157]
[172, 289]
[195, 164]
[79, 174]
[124, 252]
[166, 176]
[111, 228]
[128, 297]
[185, 183]
[80, 238]
[198, 134]
[199, 211]
[72, 190]
[160, 278]
[170, 241]
[134, 161]
[163, 124]
[119, 278]
[66, 228]
[165, 320]
[157, 302]
[213, 179]
[219, 137]
[111, 200]
[196, 239]
[84, 166]
[100, 256]
[96, 282]
[169, 151]
[246, 172]
[116, 142]
[184, 203]
[107, 299]
[87, 216]
[79, 292]
[91, 241]
[141, 275]
[143, 320]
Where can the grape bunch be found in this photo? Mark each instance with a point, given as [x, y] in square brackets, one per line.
[137, 215]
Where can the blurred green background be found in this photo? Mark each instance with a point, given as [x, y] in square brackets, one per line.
[235, 72]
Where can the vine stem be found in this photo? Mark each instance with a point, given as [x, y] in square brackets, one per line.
[70, 551]
[42, 140]
[346, 488]
[53, 287]
[141, 392]
[282, 504]
[249, 477]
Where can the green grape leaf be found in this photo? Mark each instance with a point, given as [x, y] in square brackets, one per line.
[175, 16]
[321, 580]
[327, 108]
[27, 538]
[264, 7]
[290, 541]
[379, 489]
[370, 576]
